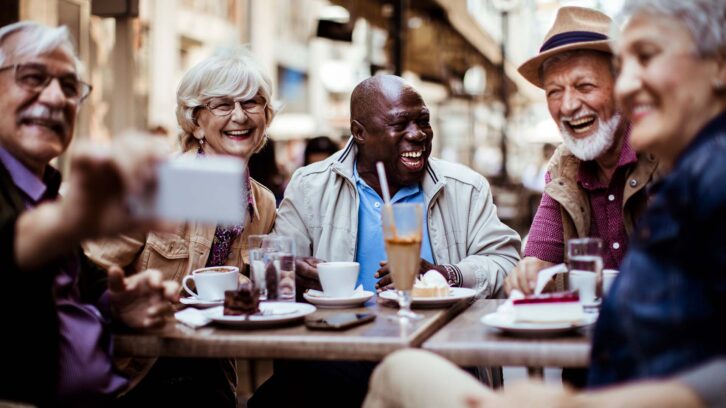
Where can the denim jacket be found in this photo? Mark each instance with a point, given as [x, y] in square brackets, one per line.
[667, 309]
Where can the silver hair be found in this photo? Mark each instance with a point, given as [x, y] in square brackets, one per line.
[229, 72]
[573, 54]
[39, 40]
[704, 19]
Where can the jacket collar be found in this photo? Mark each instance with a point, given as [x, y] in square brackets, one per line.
[344, 161]
[711, 130]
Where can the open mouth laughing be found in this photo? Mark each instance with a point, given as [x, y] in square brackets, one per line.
[582, 124]
[413, 159]
[640, 110]
[53, 125]
[238, 134]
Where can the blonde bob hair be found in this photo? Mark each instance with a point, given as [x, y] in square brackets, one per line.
[229, 72]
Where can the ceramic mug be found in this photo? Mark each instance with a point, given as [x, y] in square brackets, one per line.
[338, 278]
[212, 282]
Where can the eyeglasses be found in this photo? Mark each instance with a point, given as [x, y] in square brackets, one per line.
[225, 106]
[35, 77]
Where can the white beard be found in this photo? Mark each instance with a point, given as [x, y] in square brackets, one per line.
[594, 145]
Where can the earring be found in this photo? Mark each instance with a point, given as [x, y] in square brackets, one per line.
[200, 151]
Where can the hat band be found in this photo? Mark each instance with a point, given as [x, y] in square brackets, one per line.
[571, 37]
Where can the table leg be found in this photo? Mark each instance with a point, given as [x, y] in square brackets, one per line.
[252, 374]
[535, 372]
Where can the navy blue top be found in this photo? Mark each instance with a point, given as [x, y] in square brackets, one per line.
[667, 308]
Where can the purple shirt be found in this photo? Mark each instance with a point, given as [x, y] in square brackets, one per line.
[86, 373]
[546, 240]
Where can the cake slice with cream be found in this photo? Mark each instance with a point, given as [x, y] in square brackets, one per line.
[431, 284]
[559, 307]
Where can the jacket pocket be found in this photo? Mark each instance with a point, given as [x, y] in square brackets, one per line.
[168, 253]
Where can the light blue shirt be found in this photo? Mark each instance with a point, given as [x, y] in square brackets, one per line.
[370, 248]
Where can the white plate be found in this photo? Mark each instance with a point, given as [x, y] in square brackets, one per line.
[199, 303]
[455, 295]
[319, 299]
[503, 323]
[271, 313]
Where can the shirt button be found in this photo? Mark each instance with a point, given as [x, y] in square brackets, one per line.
[611, 197]
[377, 204]
[633, 183]
[616, 245]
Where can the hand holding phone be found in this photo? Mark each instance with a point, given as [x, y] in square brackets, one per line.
[339, 321]
[209, 189]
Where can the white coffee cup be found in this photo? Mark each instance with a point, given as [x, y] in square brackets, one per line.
[338, 278]
[584, 282]
[212, 282]
[608, 277]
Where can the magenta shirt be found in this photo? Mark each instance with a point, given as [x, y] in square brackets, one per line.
[545, 240]
[86, 373]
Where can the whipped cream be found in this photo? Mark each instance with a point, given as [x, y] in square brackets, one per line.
[431, 279]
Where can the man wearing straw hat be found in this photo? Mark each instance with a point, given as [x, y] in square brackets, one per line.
[332, 209]
[595, 180]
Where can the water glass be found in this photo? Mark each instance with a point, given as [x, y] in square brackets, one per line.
[585, 268]
[402, 229]
[272, 267]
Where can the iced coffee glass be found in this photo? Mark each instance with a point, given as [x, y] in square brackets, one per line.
[402, 228]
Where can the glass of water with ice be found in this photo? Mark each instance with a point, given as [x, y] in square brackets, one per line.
[585, 268]
[272, 267]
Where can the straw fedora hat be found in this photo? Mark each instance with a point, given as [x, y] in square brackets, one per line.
[574, 28]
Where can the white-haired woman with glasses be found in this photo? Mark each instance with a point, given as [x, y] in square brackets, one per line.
[223, 108]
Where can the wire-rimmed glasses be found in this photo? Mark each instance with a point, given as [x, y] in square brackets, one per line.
[225, 106]
[35, 77]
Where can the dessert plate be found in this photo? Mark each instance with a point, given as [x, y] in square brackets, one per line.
[504, 323]
[455, 295]
[199, 303]
[271, 313]
[317, 298]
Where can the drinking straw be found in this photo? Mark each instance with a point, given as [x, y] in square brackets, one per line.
[384, 183]
[387, 207]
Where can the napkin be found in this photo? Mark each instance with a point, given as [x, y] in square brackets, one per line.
[506, 309]
[192, 317]
[546, 274]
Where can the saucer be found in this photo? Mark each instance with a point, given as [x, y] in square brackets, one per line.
[455, 294]
[319, 299]
[504, 323]
[271, 313]
[200, 303]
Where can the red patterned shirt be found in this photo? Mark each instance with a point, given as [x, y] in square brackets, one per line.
[545, 240]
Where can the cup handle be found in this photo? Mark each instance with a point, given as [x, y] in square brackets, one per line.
[184, 284]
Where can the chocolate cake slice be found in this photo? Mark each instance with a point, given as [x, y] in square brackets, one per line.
[243, 301]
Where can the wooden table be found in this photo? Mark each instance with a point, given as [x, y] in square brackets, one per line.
[369, 342]
[468, 342]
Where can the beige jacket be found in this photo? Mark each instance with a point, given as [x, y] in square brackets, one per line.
[179, 252]
[575, 202]
[176, 254]
[320, 211]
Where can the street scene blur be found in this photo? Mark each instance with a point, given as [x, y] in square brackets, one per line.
[363, 203]
[455, 52]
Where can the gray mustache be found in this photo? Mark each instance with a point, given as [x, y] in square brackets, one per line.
[41, 112]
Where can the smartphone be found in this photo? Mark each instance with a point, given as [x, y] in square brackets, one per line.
[207, 189]
[339, 321]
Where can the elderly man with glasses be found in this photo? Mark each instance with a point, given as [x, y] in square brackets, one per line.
[55, 307]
